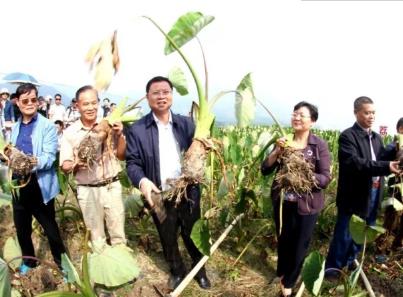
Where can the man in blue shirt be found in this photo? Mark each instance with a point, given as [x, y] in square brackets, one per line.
[36, 136]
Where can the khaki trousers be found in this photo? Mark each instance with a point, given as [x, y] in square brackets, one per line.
[103, 204]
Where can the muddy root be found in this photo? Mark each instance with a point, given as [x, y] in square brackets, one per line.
[296, 174]
[194, 164]
[19, 163]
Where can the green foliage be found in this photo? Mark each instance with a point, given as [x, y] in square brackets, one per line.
[124, 179]
[70, 271]
[225, 185]
[63, 181]
[12, 252]
[133, 204]
[185, 29]
[5, 284]
[245, 103]
[201, 236]
[313, 272]
[112, 265]
[5, 199]
[359, 230]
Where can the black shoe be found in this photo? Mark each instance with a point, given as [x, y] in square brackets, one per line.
[203, 282]
[174, 281]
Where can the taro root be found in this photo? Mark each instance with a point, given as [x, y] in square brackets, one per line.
[296, 174]
[19, 163]
[193, 168]
[87, 150]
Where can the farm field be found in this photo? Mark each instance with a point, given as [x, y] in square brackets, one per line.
[243, 190]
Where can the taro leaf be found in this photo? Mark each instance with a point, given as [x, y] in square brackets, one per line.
[313, 272]
[124, 179]
[5, 199]
[12, 250]
[178, 79]
[113, 265]
[117, 113]
[245, 102]
[225, 185]
[264, 138]
[391, 201]
[70, 271]
[63, 181]
[201, 236]
[5, 284]
[236, 154]
[359, 229]
[185, 29]
[133, 205]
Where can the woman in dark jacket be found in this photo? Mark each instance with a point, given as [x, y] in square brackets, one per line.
[299, 210]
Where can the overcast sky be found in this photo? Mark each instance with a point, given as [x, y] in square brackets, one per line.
[324, 52]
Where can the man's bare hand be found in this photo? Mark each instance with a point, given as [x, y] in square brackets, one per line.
[146, 187]
[394, 167]
[117, 128]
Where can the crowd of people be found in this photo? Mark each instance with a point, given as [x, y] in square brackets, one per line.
[152, 148]
[49, 107]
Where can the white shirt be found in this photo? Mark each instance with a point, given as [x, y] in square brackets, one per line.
[56, 112]
[170, 158]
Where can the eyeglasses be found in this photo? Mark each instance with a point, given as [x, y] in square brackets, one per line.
[157, 93]
[58, 99]
[295, 115]
[26, 101]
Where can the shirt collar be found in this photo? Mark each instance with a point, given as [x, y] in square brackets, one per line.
[159, 122]
[367, 130]
[82, 127]
[33, 119]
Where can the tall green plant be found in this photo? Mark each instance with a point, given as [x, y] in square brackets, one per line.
[185, 29]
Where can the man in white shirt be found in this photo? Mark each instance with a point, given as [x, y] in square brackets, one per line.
[57, 110]
[155, 145]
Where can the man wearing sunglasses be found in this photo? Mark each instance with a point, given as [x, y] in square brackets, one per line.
[57, 110]
[36, 136]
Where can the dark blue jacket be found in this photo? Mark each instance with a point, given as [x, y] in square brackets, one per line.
[356, 169]
[142, 151]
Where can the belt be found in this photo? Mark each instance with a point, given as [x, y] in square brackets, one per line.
[376, 184]
[102, 183]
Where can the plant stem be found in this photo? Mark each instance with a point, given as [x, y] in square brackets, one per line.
[201, 263]
[250, 242]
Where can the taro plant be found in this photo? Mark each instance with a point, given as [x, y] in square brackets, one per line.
[110, 266]
[314, 265]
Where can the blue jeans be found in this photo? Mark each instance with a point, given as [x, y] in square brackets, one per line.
[343, 250]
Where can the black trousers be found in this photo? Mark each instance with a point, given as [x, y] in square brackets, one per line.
[29, 203]
[293, 242]
[180, 218]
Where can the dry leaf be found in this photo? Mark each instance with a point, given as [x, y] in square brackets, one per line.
[104, 57]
